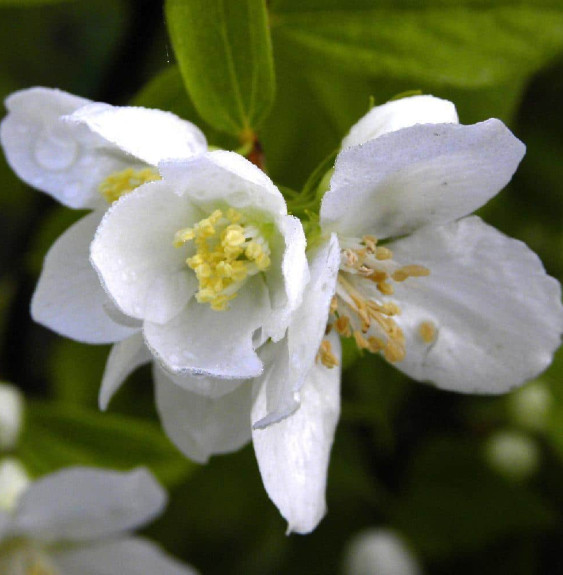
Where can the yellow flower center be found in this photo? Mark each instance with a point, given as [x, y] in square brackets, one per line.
[120, 183]
[29, 557]
[229, 250]
[368, 319]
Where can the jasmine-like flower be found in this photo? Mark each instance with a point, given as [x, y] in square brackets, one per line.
[78, 520]
[208, 260]
[444, 297]
[86, 155]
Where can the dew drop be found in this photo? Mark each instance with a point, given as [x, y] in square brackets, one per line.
[55, 154]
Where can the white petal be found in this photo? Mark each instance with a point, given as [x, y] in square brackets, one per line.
[125, 357]
[224, 177]
[82, 503]
[69, 298]
[399, 114]
[202, 426]
[304, 337]
[293, 276]
[149, 135]
[425, 174]
[124, 556]
[51, 155]
[14, 481]
[498, 315]
[293, 454]
[134, 254]
[211, 387]
[215, 343]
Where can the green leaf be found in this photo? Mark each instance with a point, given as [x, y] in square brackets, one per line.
[57, 435]
[225, 56]
[465, 43]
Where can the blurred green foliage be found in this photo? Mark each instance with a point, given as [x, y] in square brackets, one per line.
[406, 455]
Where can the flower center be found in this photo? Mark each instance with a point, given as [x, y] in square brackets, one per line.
[229, 250]
[120, 183]
[27, 557]
[370, 319]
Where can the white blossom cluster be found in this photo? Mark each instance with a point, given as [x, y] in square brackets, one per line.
[191, 260]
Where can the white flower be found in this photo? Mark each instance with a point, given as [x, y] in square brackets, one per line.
[11, 415]
[446, 298]
[85, 155]
[78, 521]
[208, 260]
[379, 552]
[290, 411]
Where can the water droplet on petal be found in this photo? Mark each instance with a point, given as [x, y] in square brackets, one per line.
[55, 154]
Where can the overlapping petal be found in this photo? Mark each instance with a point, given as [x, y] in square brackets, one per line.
[125, 357]
[203, 426]
[218, 344]
[69, 298]
[416, 176]
[147, 134]
[126, 556]
[289, 363]
[78, 504]
[397, 114]
[293, 454]
[134, 253]
[498, 315]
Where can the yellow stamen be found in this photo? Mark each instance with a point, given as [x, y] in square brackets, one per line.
[120, 183]
[405, 272]
[427, 331]
[225, 255]
[382, 253]
[325, 355]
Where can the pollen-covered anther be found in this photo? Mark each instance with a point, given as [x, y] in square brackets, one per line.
[120, 183]
[342, 326]
[370, 242]
[326, 356]
[383, 253]
[427, 331]
[411, 271]
[228, 251]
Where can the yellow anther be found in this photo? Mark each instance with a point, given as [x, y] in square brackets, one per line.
[427, 331]
[334, 304]
[405, 272]
[223, 255]
[342, 326]
[385, 288]
[394, 352]
[361, 341]
[370, 242]
[120, 183]
[325, 355]
[183, 236]
[382, 253]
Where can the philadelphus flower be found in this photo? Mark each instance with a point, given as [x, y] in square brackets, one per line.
[209, 262]
[78, 521]
[86, 155]
[444, 297]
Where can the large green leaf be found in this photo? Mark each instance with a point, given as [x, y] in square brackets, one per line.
[465, 43]
[59, 435]
[225, 56]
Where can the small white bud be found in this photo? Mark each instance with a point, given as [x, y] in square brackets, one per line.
[11, 415]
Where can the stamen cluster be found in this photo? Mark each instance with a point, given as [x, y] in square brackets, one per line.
[367, 319]
[228, 251]
[120, 183]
